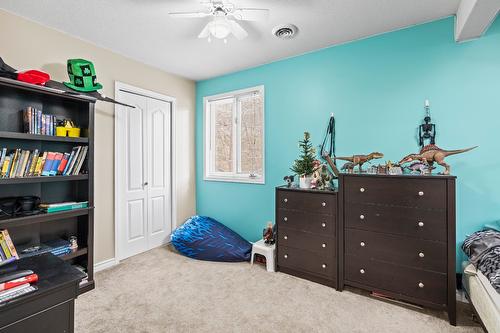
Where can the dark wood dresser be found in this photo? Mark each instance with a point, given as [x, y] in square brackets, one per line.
[306, 243]
[399, 238]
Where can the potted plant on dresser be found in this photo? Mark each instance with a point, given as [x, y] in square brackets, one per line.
[304, 165]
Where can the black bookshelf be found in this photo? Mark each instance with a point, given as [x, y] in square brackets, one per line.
[15, 96]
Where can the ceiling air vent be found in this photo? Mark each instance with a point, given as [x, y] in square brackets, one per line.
[285, 31]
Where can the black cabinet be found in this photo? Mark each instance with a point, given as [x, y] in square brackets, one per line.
[398, 237]
[306, 243]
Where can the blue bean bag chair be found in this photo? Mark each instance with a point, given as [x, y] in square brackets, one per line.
[204, 238]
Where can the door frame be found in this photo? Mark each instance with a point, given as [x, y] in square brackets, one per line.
[124, 87]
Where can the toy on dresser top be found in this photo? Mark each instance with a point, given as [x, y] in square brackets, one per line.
[431, 154]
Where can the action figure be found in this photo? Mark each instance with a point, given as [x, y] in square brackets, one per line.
[427, 131]
[268, 234]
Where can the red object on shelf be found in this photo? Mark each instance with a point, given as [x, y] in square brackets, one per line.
[33, 76]
[17, 282]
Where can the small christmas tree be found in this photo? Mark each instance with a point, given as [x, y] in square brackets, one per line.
[304, 166]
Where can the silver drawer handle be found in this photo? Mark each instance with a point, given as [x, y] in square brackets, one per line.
[323, 225]
[362, 244]
[421, 255]
[285, 256]
[285, 200]
[362, 189]
[420, 285]
[421, 193]
[324, 265]
[420, 224]
[286, 237]
[362, 271]
[323, 204]
[285, 219]
[362, 217]
[323, 245]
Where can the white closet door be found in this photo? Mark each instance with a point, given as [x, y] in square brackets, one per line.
[159, 187]
[134, 226]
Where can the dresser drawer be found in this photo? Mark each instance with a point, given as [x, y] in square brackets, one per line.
[304, 221]
[377, 275]
[306, 261]
[417, 253]
[411, 222]
[322, 245]
[319, 203]
[396, 191]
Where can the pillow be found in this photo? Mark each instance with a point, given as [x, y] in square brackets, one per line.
[204, 238]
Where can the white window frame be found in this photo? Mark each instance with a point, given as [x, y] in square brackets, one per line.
[208, 154]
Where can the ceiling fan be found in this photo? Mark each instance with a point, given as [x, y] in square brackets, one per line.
[224, 15]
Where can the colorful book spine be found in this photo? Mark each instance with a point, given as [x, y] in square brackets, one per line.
[10, 244]
[3, 155]
[34, 161]
[6, 165]
[71, 162]
[4, 248]
[55, 165]
[48, 164]
[63, 164]
[39, 122]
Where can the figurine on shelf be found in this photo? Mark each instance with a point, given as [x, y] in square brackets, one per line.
[268, 234]
[427, 130]
[382, 169]
[359, 160]
[348, 167]
[431, 154]
[420, 168]
[395, 170]
[322, 177]
[289, 180]
[73, 241]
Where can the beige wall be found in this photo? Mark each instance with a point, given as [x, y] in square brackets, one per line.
[28, 45]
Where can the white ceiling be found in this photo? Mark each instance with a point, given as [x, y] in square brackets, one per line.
[143, 30]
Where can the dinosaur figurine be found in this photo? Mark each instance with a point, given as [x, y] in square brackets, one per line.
[419, 167]
[431, 154]
[361, 159]
[348, 167]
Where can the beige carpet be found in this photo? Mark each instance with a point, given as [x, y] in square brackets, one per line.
[161, 291]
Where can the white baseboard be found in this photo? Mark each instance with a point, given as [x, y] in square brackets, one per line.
[100, 266]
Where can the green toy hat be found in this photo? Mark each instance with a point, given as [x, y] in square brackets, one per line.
[81, 73]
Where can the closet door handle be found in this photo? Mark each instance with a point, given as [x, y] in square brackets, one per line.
[146, 183]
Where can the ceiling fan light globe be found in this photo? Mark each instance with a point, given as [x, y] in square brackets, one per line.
[219, 28]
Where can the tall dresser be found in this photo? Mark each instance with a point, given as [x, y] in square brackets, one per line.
[306, 243]
[399, 237]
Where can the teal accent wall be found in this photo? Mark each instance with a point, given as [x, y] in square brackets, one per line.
[376, 88]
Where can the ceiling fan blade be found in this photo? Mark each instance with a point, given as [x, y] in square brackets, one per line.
[250, 14]
[204, 33]
[189, 14]
[237, 30]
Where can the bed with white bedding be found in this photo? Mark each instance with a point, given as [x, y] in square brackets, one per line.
[484, 298]
[481, 277]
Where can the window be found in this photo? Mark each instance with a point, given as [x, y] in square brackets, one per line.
[234, 136]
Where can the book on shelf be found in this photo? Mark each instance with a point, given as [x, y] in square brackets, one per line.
[8, 252]
[36, 122]
[19, 163]
[62, 206]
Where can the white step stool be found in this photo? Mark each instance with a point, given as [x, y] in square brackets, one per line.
[267, 251]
